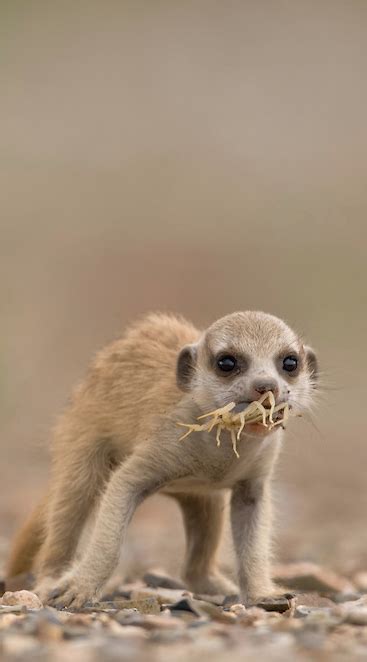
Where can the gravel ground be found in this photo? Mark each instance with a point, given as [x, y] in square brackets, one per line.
[157, 618]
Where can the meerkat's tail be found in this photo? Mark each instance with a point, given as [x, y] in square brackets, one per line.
[27, 542]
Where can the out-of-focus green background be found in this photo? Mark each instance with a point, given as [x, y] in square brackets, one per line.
[198, 157]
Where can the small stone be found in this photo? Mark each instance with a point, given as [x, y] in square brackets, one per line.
[122, 591]
[144, 605]
[126, 631]
[7, 620]
[252, 616]
[361, 602]
[128, 617]
[185, 605]
[151, 622]
[360, 580]
[279, 604]
[163, 595]
[238, 609]
[12, 609]
[200, 608]
[214, 612]
[354, 615]
[339, 598]
[22, 598]
[18, 645]
[157, 579]
[217, 600]
[319, 614]
[312, 600]
[311, 577]
[49, 626]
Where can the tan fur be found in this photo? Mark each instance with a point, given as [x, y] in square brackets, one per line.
[28, 541]
[118, 442]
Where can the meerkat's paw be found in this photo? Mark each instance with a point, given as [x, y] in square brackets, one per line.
[269, 592]
[212, 584]
[45, 586]
[71, 591]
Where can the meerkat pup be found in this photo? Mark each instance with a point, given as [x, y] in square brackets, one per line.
[119, 442]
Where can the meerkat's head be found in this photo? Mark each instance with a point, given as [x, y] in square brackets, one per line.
[243, 355]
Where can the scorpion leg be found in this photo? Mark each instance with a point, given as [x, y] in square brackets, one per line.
[253, 408]
[269, 395]
[219, 412]
[234, 443]
[214, 422]
[243, 421]
[194, 427]
[262, 411]
[186, 434]
[272, 405]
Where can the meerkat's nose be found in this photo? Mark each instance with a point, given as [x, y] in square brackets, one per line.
[262, 386]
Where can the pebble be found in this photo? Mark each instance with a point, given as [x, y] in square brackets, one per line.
[360, 580]
[280, 604]
[22, 598]
[19, 645]
[144, 604]
[162, 595]
[157, 579]
[356, 616]
[238, 609]
[346, 597]
[141, 627]
[308, 576]
[318, 613]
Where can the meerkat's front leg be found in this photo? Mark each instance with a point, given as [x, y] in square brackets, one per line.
[251, 523]
[203, 519]
[134, 480]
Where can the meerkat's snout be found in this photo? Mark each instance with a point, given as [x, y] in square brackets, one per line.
[261, 386]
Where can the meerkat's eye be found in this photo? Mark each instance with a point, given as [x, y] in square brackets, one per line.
[290, 363]
[227, 363]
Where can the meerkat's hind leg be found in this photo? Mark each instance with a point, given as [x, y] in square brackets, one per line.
[203, 517]
[70, 503]
[28, 541]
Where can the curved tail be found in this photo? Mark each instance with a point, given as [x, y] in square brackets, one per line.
[28, 541]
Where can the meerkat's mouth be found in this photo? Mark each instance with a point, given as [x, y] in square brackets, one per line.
[243, 404]
[261, 416]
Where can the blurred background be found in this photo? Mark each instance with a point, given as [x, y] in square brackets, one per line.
[197, 157]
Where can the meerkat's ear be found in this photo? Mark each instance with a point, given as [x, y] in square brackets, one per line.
[312, 363]
[185, 368]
